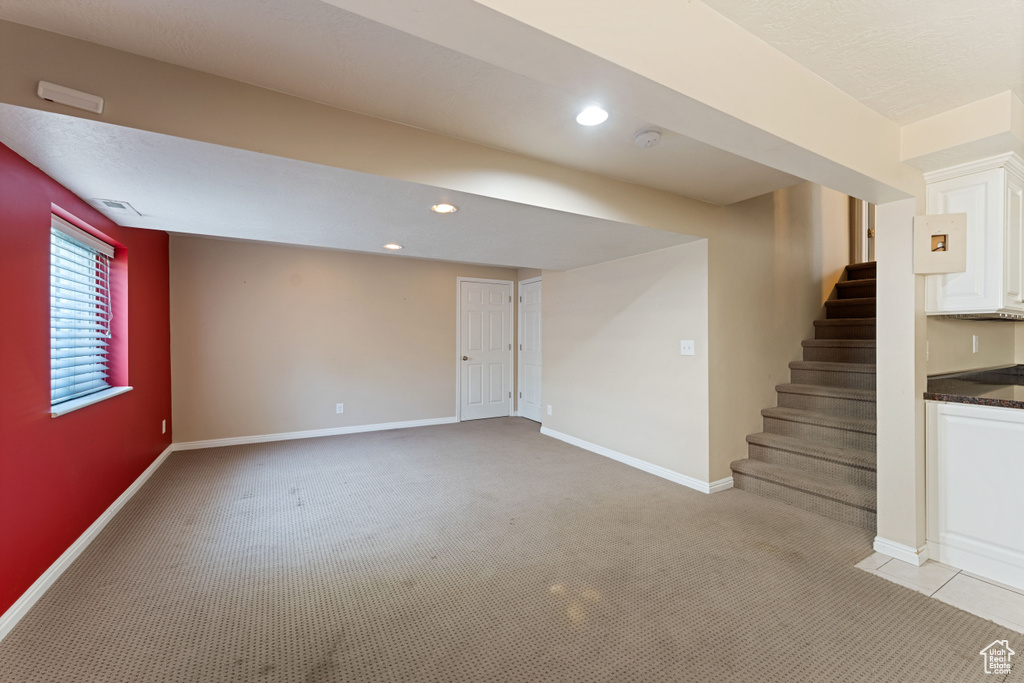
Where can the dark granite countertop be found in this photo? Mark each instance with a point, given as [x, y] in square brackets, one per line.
[999, 387]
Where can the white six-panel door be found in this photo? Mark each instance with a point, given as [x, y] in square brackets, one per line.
[485, 349]
[530, 349]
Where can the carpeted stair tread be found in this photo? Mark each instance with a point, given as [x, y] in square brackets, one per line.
[853, 284]
[843, 303]
[853, 424]
[829, 391]
[849, 494]
[861, 271]
[817, 447]
[842, 322]
[844, 328]
[811, 449]
[831, 366]
[840, 343]
[840, 350]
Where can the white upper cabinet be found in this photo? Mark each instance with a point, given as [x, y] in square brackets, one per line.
[991, 193]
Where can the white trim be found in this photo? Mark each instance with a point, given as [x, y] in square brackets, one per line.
[656, 470]
[910, 555]
[76, 233]
[22, 605]
[1010, 160]
[519, 339]
[310, 433]
[720, 485]
[458, 340]
[76, 403]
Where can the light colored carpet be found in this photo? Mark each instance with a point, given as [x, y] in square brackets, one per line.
[475, 552]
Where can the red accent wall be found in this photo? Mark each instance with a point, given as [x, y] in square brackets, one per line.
[58, 475]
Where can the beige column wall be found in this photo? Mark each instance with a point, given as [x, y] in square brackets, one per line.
[901, 334]
[267, 339]
[613, 372]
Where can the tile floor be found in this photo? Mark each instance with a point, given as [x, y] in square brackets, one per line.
[983, 597]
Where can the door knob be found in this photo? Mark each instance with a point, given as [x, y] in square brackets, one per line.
[465, 358]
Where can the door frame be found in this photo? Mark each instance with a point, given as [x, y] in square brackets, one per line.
[519, 334]
[458, 340]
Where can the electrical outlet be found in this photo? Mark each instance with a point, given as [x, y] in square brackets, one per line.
[686, 347]
[339, 408]
[549, 409]
[974, 343]
[163, 427]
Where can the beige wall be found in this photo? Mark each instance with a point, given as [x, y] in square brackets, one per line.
[254, 353]
[951, 344]
[613, 373]
[752, 265]
[267, 339]
[773, 263]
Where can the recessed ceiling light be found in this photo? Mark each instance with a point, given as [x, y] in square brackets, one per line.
[444, 208]
[392, 246]
[591, 116]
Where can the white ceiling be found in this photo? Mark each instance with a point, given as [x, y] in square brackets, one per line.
[193, 187]
[907, 60]
[901, 61]
[320, 52]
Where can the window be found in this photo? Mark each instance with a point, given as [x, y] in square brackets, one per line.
[80, 312]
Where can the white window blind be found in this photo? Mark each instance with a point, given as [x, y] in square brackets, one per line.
[79, 312]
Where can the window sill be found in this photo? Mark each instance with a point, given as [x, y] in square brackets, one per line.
[72, 406]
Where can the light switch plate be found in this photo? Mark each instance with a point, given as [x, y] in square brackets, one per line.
[686, 347]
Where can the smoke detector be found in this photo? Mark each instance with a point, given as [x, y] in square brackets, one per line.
[647, 138]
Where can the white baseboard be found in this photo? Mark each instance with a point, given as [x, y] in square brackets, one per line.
[720, 485]
[650, 468]
[911, 555]
[22, 605]
[308, 434]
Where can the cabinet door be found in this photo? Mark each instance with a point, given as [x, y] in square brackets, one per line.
[1013, 262]
[974, 469]
[980, 287]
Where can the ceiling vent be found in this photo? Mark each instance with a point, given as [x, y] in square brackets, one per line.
[116, 206]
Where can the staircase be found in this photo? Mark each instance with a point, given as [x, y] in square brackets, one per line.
[817, 450]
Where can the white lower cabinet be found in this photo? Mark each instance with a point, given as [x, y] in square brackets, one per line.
[975, 489]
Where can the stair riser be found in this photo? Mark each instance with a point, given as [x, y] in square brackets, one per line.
[834, 312]
[833, 436]
[829, 405]
[835, 471]
[850, 380]
[861, 273]
[856, 291]
[865, 331]
[826, 507]
[834, 354]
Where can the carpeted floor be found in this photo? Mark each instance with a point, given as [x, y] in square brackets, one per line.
[475, 552]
